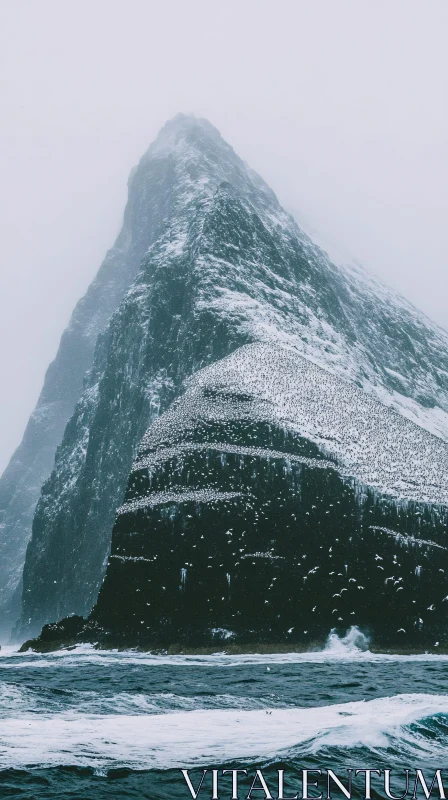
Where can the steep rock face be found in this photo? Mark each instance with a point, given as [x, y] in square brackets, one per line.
[271, 503]
[31, 464]
[227, 267]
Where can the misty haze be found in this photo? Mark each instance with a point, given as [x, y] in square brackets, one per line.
[341, 107]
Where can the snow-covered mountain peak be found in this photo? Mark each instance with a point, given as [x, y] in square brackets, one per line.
[198, 160]
[279, 284]
[222, 266]
[185, 130]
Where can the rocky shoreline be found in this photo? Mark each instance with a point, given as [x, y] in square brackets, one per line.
[73, 632]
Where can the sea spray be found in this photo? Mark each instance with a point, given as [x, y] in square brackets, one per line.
[354, 641]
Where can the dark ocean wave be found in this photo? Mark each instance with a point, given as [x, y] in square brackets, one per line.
[88, 725]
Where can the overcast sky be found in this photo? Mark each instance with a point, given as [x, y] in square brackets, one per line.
[341, 105]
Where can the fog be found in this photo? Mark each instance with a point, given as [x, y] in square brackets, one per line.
[339, 104]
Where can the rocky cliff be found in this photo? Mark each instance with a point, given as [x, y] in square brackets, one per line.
[227, 267]
[31, 464]
[272, 503]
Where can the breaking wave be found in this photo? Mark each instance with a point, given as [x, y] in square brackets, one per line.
[404, 725]
[353, 643]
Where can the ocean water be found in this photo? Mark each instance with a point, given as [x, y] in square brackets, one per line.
[90, 725]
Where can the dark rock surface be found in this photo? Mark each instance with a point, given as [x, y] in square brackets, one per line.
[227, 267]
[245, 522]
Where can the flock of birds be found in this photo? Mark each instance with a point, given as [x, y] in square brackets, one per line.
[356, 434]
[351, 434]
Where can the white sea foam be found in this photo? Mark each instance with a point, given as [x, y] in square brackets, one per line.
[200, 738]
[18, 700]
[351, 647]
[165, 730]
